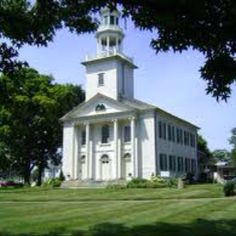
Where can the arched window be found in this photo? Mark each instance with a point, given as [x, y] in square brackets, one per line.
[100, 107]
[105, 134]
[105, 159]
[82, 159]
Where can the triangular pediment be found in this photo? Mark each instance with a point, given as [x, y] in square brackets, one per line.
[97, 105]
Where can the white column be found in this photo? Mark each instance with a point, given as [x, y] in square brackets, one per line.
[115, 129]
[108, 44]
[76, 152]
[73, 154]
[91, 160]
[117, 44]
[87, 148]
[136, 156]
[133, 156]
[119, 158]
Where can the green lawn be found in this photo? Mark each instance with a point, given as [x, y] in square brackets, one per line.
[195, 210]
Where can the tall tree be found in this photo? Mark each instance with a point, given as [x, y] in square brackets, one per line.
[232, 141]
[221, 155]
[204, 25]
[30, 108]
[203, 146]
[204, 150]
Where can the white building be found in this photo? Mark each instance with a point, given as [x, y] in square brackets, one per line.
[114, 136]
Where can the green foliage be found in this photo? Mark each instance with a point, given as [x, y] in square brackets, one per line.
[189, 177]
[30, 108]
[175, 24]
[53, 182]
[203, 146]
[144, 183]
[172, 182]
[232, 141]
[157, 179]
[61, 176]
[229, 188]
[221, 155]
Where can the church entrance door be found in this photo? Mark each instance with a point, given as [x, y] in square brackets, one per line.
[105, 168]
[126, 166]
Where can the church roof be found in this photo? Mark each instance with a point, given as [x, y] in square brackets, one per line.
[140, 105]
[126, 104]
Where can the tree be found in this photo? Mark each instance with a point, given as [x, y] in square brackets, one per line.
[4, 157]
[202, 146]
[204, 25]
[30, 108]
[221, 155]
[232, 141]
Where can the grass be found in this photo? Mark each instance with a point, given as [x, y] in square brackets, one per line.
[195, 210]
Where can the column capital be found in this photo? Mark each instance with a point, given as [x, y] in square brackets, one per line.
[114, 120]
[132, 118]
[86, 123]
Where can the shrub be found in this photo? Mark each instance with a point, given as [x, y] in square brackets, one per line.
[173, 182]
[157, 179]
[53, 182]
[189, 178]
[144, 183]
[137, 183]
[61, 176]
[229, 188]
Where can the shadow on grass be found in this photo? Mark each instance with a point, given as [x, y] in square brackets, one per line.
[200, 227]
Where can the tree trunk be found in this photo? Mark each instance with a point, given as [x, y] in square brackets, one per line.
[27, 176]
[27, 172]
[40, 173]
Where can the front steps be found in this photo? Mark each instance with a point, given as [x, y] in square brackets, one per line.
[89, 183]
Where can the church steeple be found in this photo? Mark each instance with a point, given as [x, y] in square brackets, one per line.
[110, 71]
[109, 35]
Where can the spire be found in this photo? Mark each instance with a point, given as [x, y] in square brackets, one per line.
[109, 34]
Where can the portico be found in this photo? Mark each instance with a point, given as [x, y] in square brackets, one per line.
[109, 150]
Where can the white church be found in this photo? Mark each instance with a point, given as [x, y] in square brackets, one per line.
[112, 135]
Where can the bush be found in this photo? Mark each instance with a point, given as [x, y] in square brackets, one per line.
[144, 183]
[189, 178]
[137, 183]
[53, 182]
[173, 182]
[157, 179]
[229, 188]
[61, 176]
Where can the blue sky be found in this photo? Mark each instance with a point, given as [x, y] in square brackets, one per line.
[170, 81]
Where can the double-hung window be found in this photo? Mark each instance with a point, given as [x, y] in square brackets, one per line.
[105, 134]
[100, 79]
[127, 134]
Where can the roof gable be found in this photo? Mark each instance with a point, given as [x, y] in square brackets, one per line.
[99, 104]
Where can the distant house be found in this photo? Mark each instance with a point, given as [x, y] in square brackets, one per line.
[114, 136]
[224, 171]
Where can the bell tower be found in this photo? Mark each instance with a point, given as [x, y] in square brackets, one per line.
[109, 35]
[110, 71]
